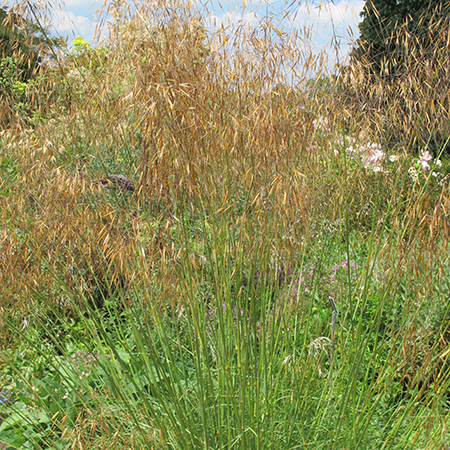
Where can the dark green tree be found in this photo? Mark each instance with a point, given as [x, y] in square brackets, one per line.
[398, 75]
[24, 48]
[25, 41]
[384, 25]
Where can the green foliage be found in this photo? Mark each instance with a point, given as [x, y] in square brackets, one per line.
[25, 51]
[24, 40]
[380, 25]
[10, 79]
[80, 44]
[9, 73]
[46, 394]
[397, 78]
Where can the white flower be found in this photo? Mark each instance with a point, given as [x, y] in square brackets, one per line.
[321, 123]
[374, 158]
[394, 158]
[376, 155]
[413, 173]
[438, 163]
[424, 164]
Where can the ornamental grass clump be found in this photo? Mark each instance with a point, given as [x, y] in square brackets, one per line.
[173, 230]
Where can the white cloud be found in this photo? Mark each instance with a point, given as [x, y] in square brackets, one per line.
[329, 25]
[68, 18]
[341, 16]
[320, 22]
[307, 13]
[324, 30]
[67, 24]
[232, 20]
[83, 4]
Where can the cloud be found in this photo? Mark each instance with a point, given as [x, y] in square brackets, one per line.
[331, 27]
[321, 22]
[232, 20]
[69, 25]
[324, 17]
[83, 4]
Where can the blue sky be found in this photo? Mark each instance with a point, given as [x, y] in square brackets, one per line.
[78, 17]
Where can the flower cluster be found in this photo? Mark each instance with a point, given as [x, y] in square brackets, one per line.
[82, 360]
[423, 165]
[345, 264]
[373, 157]
[6, 397]
[321, 124]
[370, 155]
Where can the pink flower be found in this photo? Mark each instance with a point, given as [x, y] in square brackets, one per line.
[425, 156]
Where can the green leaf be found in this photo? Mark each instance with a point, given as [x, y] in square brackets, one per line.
[11, 438]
